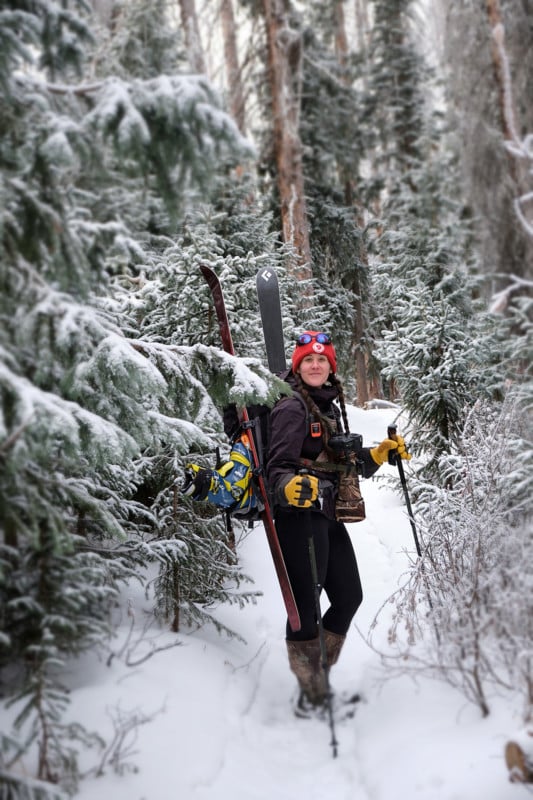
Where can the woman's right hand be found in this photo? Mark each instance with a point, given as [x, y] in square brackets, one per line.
[300, 491]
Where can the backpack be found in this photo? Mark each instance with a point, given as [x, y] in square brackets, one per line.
[258, 426]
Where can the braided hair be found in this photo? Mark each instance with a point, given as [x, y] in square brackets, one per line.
[342, 402]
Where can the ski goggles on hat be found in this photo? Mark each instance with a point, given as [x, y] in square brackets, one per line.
[306, 338]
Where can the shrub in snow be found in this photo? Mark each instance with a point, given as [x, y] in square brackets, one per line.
[468, 605]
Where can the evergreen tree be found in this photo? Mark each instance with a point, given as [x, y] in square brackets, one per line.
[333, 147]
[434, 346]
[85, 410]
[137, 40]
[171, 314]
[324, 114]
[438, 346]
[394, 105]
[441, 353]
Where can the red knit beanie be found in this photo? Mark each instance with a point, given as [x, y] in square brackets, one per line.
[303, 350]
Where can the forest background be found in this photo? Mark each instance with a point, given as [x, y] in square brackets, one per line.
[378, 154]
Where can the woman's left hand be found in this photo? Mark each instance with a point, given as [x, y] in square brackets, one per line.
[380, 454]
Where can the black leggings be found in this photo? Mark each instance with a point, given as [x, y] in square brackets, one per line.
[336, 566]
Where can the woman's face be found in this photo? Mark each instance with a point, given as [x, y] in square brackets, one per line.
[314, 369]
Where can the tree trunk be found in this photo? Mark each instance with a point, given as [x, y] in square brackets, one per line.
[519, 168]
[233, 72]
[189, 21]
[361, 372]
[479, 95]
[341, 40]
[362, 24]
[495, 19]
[360, 348]
[104, 11]
[284, 46]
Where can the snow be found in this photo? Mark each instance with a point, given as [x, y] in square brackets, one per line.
[217, 712]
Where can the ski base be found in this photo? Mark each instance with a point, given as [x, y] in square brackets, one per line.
[266, 282]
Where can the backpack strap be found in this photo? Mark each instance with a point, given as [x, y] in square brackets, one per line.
[327, 466]
[308, 416]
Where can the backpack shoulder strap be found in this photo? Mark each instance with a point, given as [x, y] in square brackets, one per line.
[299, 397]
[285, 398]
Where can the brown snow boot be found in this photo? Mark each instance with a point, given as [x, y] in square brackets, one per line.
[519, 763]
[305, 663]
[334, 643]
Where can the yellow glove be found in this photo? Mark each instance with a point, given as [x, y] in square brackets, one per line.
[402, 449]
[300, 491]
[380, 454]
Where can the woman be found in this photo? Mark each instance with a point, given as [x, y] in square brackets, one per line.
[303, 474]
[305, 496]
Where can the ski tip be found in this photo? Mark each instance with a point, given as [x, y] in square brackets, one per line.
[266, 275]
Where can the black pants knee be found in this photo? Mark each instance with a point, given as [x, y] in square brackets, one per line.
[337, 570]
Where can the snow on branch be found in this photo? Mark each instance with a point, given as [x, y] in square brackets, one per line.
[64, 420]
[519, 205]
[500, 301]
[186, 106]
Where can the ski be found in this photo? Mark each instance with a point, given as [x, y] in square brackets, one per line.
[267, 286]
[266, 515]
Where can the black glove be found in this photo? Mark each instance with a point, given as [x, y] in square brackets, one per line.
[197, 482]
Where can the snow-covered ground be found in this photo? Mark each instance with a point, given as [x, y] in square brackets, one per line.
[221, 725]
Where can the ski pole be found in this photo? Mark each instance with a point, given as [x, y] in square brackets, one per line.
[395, 458]
[321, 636]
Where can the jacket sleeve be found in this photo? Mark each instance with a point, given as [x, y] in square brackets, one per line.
[287, 433]
[368, 465]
